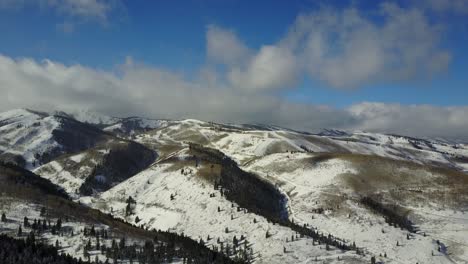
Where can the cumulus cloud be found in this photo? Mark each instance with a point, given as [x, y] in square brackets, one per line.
[344, 48]
[417, 120]
[223, 46]
[142, 90]
[272, 68]
[138, 89]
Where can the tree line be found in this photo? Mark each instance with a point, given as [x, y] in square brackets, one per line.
[28, 251]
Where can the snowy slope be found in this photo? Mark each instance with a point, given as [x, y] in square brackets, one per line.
[245, 144]
[133, 125]
[26, 195]
[90, 117]
[310, 184]
[35, 138]
[324, 176]
[193, 212]
[27, 134]
[68, 244]
[97, 168]
[313, 183]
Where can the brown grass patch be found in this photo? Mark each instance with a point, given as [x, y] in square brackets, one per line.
[209, 172]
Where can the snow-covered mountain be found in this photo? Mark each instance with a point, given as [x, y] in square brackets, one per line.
[122, 126]
[75, 153]
[290, 196]
[35, 138]
[34, 210]
[244, 143]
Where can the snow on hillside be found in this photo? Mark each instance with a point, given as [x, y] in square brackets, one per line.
[71, 239]
[30, 138]
[69, 244]
[323, 171]
[297, 176]
[122, 126]
[314, 183]
[90, 117]
[97, 168]
[133, 125]
[245, 144]
[193, 212]
[70, 181]
[27, 134]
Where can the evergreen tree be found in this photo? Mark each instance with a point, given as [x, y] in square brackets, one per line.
[85, 252]
[122, 243]
[58, 225]
[129, 208]
[98, 243]
[18, 251]
[43, 211]
[4, 219]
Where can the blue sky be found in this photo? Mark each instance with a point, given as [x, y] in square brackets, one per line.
[364, 54]
[171, 34]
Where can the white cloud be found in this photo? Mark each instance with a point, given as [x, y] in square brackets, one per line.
[344, 48]
[136, 89]
[223, 46]
[416, 120]
[272, 68]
